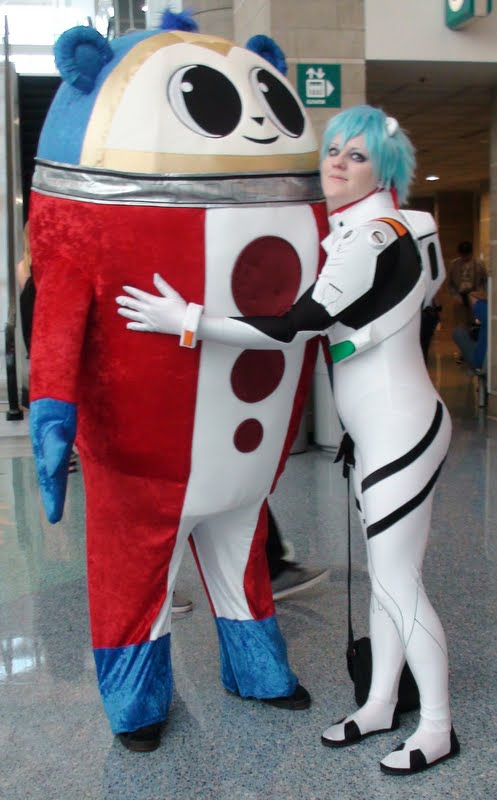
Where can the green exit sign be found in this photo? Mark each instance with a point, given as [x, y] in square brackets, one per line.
[459, 12]
[319, 85]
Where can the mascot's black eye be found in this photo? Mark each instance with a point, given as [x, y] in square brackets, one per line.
[205, 100]
[279, 104]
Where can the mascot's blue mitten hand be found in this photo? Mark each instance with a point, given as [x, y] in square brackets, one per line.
[52, 425]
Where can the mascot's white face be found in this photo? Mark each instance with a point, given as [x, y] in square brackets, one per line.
[193, 104]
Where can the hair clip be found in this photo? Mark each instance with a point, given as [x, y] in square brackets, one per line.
[391, 125]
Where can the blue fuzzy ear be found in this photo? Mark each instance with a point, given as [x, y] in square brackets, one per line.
[182, 21]
[267, 48]
[80, 54]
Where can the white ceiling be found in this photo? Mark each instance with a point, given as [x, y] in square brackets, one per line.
[445, 108]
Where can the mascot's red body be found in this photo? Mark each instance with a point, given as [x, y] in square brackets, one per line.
[173, 441]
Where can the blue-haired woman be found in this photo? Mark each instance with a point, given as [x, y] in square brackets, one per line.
[368, 300]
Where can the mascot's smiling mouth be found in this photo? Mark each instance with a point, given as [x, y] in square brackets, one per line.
[262, 141]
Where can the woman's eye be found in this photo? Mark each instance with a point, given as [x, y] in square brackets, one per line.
[358, 157]
[333, 151]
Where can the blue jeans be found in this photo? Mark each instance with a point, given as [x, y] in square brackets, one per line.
[465, 343]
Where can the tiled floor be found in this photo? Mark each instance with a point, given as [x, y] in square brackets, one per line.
[54, 740]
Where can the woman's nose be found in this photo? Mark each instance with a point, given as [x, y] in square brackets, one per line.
[338, 161]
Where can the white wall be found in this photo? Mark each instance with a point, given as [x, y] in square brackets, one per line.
[415, 30]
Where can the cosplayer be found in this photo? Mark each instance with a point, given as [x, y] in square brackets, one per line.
[368, 300]
[173, 152]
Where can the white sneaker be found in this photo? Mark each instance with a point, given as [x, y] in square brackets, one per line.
[181, 603]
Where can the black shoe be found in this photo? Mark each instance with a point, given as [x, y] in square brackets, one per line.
[293, 578]
[143, 740]
[298, 701]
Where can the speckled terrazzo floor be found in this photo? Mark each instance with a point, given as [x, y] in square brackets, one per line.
[54, 739]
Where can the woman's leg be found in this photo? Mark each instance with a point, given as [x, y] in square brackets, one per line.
[404, 625]
[377, 714]
[396, 558]
[396, 504]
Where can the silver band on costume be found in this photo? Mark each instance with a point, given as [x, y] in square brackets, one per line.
[98, 186]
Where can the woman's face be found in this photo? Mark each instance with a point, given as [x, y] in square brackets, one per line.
[347, 173]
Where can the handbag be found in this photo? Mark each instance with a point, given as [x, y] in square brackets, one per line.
[359, 655]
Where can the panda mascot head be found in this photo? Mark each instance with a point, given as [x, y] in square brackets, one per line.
[168, 102]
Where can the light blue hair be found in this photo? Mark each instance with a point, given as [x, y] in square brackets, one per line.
[393, 157]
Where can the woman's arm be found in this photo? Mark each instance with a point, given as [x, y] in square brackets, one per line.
[367, 273]
[169, 313]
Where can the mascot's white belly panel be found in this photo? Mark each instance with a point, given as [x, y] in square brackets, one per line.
[256, 259]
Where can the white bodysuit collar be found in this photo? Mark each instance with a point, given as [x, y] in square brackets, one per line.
[375, 205]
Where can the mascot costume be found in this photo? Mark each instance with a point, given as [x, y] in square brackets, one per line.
[171, 152]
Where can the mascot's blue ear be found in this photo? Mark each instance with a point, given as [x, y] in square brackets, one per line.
[80, 54]
[268, 49]
[182, 21]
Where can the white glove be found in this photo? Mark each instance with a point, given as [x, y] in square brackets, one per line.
[150, 313]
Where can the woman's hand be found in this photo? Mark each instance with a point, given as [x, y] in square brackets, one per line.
[150, 313]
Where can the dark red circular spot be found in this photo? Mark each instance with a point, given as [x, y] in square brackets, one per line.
[248, 435]
[256, 374]
[266, 277]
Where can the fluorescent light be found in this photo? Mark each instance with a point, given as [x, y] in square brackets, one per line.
[432, 178]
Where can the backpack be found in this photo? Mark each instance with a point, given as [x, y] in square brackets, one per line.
[423, 229]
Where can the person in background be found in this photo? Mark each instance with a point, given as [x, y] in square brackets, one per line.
[467, 274]
[27, 288]
[368, 300]
[472, 340]
[287, 576]
[430, 320]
